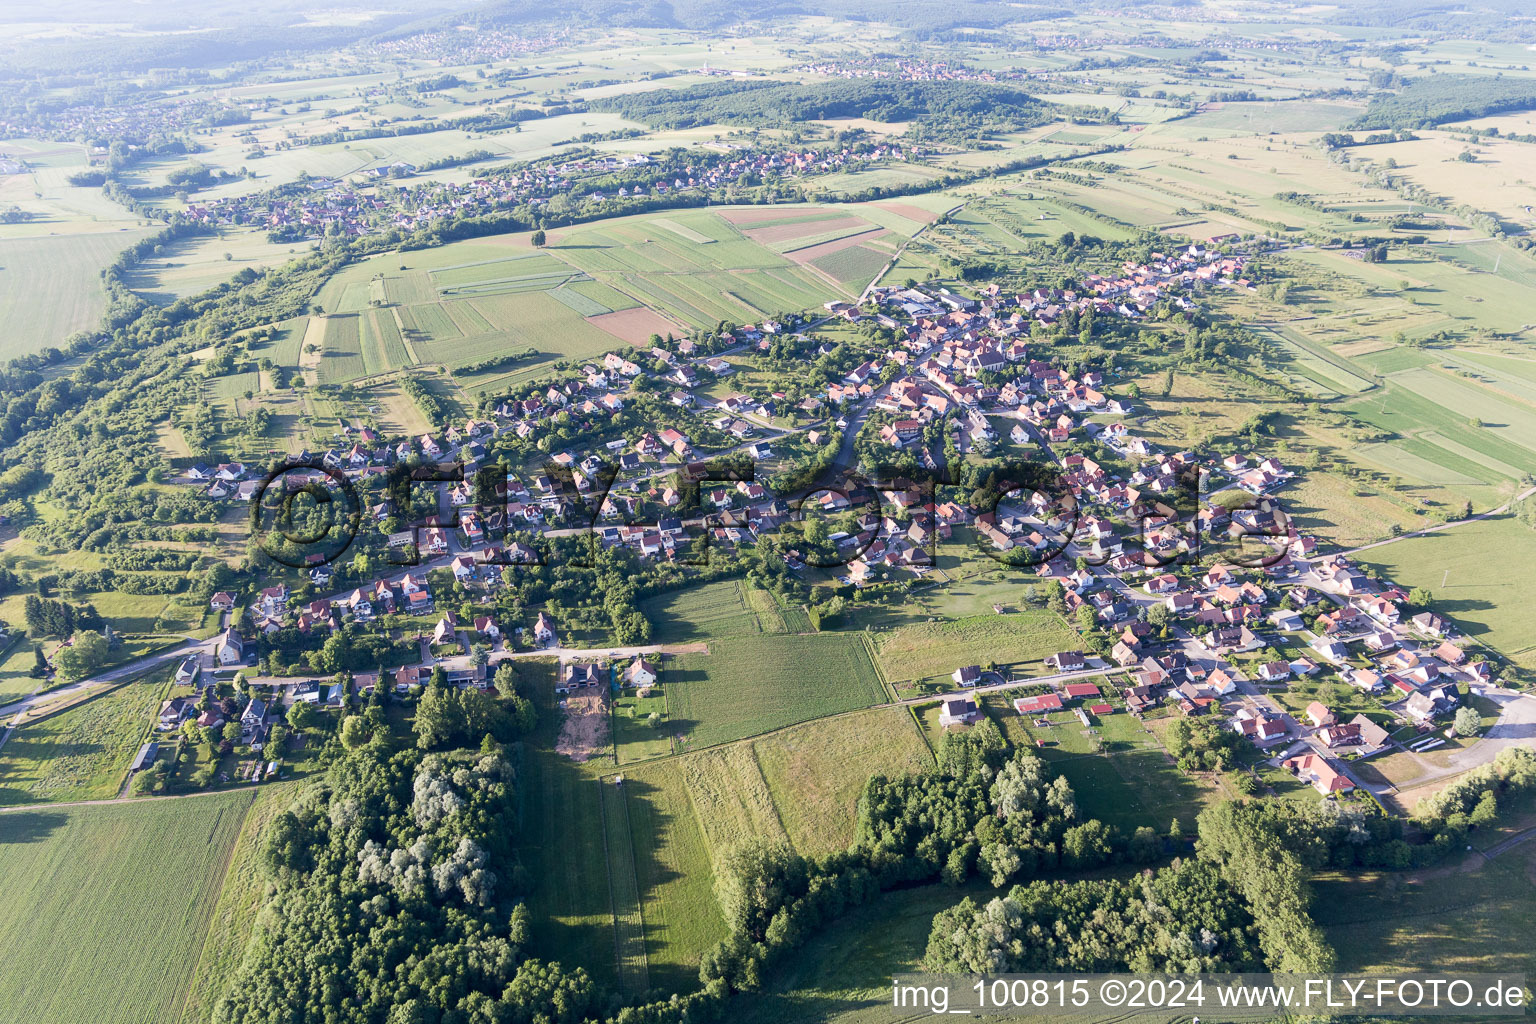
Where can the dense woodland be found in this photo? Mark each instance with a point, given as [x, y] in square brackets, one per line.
[1181, 919]
[1438, 99]
[773, 104]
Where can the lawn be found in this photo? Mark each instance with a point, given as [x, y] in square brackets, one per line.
[15, 664]
[81, 753]
[1131, 783]
[928, 649]
[106, 907]
[634, 738]
[750, 685]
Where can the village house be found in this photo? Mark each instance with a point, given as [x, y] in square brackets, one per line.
[960, 709]
[231, 648]
[641, 673]
[1316, 769]
[1259, 726]
[576, 676]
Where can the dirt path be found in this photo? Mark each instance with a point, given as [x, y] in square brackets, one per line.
[19, 808]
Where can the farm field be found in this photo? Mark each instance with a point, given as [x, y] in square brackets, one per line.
[50, 286]
[239, 901]
[81, 753]
[741, 271]
[928, 649]
[1490, 182]
[571, 916]
[1457, 566]
[194, 265]
[669, 859]
[817, 771]
[749, 685]
[77, 877]
[469, 303]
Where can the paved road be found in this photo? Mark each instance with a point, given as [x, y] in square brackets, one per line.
[1516, 727]
[16, 710]
[887, 268]
[1504, 846]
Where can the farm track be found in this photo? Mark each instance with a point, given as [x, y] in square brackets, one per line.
[1491, 513]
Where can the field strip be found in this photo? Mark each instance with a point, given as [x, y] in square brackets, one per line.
[229, 858]
[485, 263]
[1473, 455]
[682, 231]
[851, 236]
[1514, 390]
[623, 890]
[405, 336]
[874, 659]
[311, 349]
[730, 796]
[1394, 459]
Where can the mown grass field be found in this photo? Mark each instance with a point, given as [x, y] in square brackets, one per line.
[634, 738]
[1481, 576]
[799, 785]
[669, 866]
[50, 287]
[927, 649]
[749, 685]
[341, 356]
[81, 753]
[721, 608]
[1460, 917]
[559, 843]
[106, 907]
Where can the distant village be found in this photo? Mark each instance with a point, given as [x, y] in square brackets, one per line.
[365, 205]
